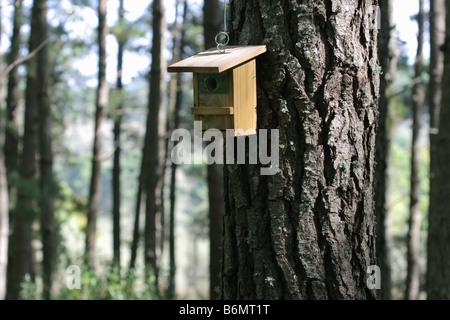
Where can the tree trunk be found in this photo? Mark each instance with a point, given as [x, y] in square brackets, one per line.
[13, 97]
[437, 39]
[308, 231]
[177, 87]
[4, 203]
[154, 182]
[413, 238]
[212, 22]
[11, 144]
[101, 105]
[47, 183]
[11, 129]
[4, 223]
[20, 256]
[438, 277]
[117, 153]
[137, 212]
[386, 41]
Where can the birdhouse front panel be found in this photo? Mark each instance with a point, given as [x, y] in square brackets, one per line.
[224, 88]
[213, 100]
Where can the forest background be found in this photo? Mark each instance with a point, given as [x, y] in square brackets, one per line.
[73, 70]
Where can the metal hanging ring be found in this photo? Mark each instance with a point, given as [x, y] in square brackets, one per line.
[221, 45]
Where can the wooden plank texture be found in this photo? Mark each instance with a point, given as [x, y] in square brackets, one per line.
[244, 79]
[212, 61]
[213, 110]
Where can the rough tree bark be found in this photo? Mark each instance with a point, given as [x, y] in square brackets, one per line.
[413, 238]
[307, 232]
[118, 117]
[20, 255]
[386, 42]
[213, 20]
[101, 105]
[438, 277]
[154, 182]
[46, 181]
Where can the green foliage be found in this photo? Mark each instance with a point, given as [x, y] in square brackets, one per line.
[112, 286]
[124, 31]
[29, 289]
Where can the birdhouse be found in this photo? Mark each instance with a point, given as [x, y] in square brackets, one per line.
[224, 87]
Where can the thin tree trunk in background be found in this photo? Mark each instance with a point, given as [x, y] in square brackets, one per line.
[308, 231]
[4, 223]
[118, 116]
[11, 133]
[154, 182]
[438, 276]
[4, 203]
[437, 39]
[413, 238]
[101, 105]
[20, 257]
[13, 97]
[177, 86]
[386, 51]
[47, 183]
[137, 211]
[175, 31]
[212, 21]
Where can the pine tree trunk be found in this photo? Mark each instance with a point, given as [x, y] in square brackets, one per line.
[4, 223]
[307, 232]
[437, 39]
[213, 20]
[438, 277]
[413, 238]
[20, 256]
[101, 105]
[117, 153]
[175, 123]
[386, 53]
[154, 182]
[11, 145]
[13, 96]
[137, 212]
[4, 203]
[47, 183]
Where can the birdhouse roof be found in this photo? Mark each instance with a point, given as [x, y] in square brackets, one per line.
[212, 61]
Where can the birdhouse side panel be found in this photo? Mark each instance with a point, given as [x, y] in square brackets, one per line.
[245, 97]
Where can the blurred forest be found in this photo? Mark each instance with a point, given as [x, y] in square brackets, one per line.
[87, 110]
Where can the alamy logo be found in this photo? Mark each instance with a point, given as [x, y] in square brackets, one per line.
[186, 152]
[374, 280]
[73, 278]
[373, 17]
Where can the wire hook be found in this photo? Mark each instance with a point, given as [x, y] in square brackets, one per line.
[221, 45]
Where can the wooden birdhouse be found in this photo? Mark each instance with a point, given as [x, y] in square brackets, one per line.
[224, 87]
